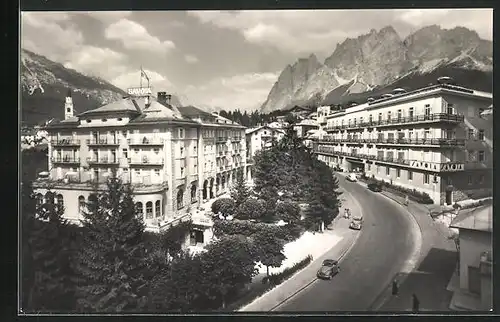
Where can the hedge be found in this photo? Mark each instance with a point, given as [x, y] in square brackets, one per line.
[413, 194]
[275, 279]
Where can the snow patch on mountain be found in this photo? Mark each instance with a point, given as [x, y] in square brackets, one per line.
[341, 81]
[430, 65]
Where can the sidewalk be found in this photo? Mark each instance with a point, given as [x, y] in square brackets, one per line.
[434, 269]
[302, 279]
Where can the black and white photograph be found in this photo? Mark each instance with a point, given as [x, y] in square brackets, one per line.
[256, 161]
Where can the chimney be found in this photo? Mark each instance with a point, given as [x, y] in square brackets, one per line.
[168, 99]
[68, 106]
[162, 97]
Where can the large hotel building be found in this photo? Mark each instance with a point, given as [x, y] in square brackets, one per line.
[433, 139]
[174, 158]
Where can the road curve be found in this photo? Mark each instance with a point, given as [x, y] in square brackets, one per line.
[379, 253]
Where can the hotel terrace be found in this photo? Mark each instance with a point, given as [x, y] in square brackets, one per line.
[433, 139]
[175, 158]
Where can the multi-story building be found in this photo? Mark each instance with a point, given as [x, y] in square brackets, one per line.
[170, 156]
[259, 138]
[303, 127]
[432, 139]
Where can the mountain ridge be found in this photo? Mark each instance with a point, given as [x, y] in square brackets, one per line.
[375, 60]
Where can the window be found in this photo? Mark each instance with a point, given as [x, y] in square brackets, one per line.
[426, 178]
[194, 149]
[469, 179]
[156, 151]
[368, 167]
[481, 179]
[410, 175]
[427, 110]
[379, 117]
[181, 133]
[138, 208]
[81, 204]
[427, 134]
[182, 171]
[193, 193]
[60, 201]
[180, 199]
[389, 115]
[387, 170]
[481, 135]
[472, 155]
[398, 173]
[125, 153]
[125, 133]
[182, 151]
[400, 114]
[449, 181]
[370, 118]
[449, 109]
[157, 209]
[410, 112]
[157, 172]
[481, 156]
[137, 172]
[149, 210]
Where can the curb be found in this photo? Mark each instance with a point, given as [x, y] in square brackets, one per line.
[342, 255]
[385, 295]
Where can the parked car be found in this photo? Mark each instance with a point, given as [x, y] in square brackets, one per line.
[352, 177]
[375, 187]
[329, 268]
[356, 223]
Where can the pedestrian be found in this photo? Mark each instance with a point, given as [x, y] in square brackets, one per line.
[415, 302]
[406, 200]
[394, 287]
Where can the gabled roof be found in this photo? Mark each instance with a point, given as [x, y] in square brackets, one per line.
[262, 127]
[476, 219]
[158, 112]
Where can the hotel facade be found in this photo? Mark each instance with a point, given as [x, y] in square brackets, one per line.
[175, 159]
[433, 140]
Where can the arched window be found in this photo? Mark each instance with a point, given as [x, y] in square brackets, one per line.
[138, 208]
[49, 197]
[180, 198]
[81, 204]
[149, 210]
[60, 201]
[157, 209]
[193, 193]
[39, 199]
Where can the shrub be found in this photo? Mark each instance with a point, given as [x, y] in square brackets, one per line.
[413, 194]
[276, 279]
[288, 211]
[251, 209]
[224, 205]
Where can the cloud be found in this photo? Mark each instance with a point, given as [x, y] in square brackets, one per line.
[102, 62]
[244, 92]
[45, 34]
[306, 31]
[134, 36]
[109, 16]
[133, 78]
[191, 59]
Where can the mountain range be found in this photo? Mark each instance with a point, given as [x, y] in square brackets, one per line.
[45, 83]
[379, 61]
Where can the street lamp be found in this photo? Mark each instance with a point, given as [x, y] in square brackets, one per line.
[434, 182]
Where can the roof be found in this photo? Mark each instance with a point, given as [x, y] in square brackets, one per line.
[157, 112]
[192, 111]
[307, 122]
[480, 219]
[126, 104]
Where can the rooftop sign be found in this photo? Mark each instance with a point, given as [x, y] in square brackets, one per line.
[139, 91]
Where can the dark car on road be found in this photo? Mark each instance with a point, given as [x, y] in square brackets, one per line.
[329, 268]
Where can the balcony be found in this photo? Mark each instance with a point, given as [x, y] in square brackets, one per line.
[416, 164]
[222, 139]
[102, 161]
[103, 142]
[145, 161]
[435, 117]
[236, 139]
[145, 141]
[89, 184]
[65, 142]
[440, 142]
[65, 160]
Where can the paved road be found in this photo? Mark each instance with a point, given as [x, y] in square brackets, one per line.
[379, 253]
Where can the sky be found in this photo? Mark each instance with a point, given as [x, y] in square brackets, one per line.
[224, 59]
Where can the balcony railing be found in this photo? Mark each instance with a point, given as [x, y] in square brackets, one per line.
[103, 141]
[103, 161]
[65, 142]
[222, 139]
[145, 161]
[88, 183]
[65, 160]
[400, 141]
[236, 139]
[145, 141]
[435, 117]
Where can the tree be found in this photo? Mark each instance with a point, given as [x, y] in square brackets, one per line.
[251, 209]
[240, 192]
[270, 248]
[111, 259]
[288, 211]
[228, 265]
[225, 206]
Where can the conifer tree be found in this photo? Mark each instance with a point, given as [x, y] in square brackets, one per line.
[111, 259]
[240, 191]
